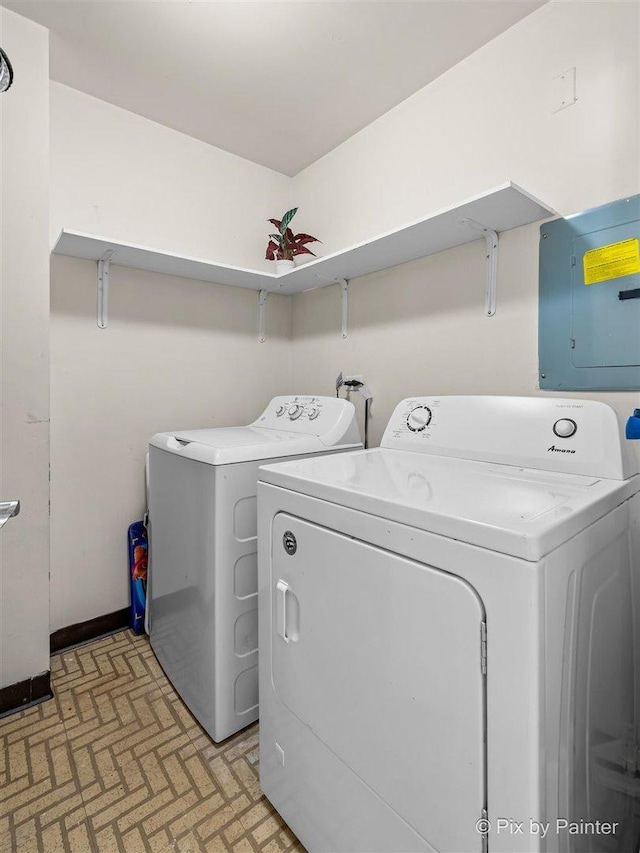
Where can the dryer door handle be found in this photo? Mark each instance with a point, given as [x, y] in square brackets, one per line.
[281, 609]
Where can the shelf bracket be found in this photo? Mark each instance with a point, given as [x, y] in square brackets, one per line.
[491, 241]
[344, 290]
[104, 264]
[262, 312]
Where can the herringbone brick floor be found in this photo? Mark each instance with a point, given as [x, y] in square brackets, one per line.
[115, 762]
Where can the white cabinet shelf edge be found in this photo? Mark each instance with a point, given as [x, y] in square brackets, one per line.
[88, 246]
[505, 207]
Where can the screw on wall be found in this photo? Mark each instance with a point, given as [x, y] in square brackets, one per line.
[563, 90]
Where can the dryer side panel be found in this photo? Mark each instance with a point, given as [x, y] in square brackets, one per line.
[592, 677]
[379, 658]
[603, 694]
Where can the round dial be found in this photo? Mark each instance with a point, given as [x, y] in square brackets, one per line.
[313, 414]
[565, 428]
[280, 411]
[419, 418]
[295, 411]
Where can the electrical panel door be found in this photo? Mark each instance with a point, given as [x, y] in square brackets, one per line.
[589, 320]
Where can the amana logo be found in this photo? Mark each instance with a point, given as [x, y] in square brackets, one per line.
[554, 449]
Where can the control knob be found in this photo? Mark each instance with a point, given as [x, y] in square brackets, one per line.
[565, 428]
[313, 414]
[280, 411]
[419, 418]
[295, 411]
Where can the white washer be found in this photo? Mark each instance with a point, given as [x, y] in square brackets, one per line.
[203, 578]
[447, 632]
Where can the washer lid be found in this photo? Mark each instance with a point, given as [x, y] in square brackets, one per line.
[289, 426]
[518, 511]
[226, 445]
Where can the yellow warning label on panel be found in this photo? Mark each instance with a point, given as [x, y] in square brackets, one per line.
[612, 261]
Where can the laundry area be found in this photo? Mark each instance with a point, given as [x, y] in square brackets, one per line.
[320, 437]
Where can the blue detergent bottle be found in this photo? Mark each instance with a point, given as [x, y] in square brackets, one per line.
[633, 425]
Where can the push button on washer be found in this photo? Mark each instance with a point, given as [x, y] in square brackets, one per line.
[565, 428]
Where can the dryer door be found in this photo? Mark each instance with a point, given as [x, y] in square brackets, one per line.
[380, 658]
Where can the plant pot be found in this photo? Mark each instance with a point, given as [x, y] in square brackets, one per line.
[284, 266]
[300, 260]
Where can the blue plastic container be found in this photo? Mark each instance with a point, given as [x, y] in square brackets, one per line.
[138, 561]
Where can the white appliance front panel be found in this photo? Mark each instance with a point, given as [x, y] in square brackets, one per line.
[331, 419]
[547, 433]
[562, 669]
[369, 650]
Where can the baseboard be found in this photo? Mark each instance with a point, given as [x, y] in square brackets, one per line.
[27, 692]
[82, 632]
[14, 697]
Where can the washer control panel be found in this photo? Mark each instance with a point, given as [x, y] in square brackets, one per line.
[297, 407]
[570, 436]
[307, 415]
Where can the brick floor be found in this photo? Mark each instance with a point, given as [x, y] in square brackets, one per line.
[115, 762]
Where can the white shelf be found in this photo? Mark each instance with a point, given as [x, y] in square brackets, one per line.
[505, 207]
[93, 248]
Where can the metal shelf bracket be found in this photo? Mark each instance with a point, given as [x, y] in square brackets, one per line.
[491, 241]
[103, 289]
[344, 290]
[262, 315]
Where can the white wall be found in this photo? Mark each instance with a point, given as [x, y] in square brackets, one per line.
[420, 328]
[178, 354]
[24, 338]
[488, 120]
[118, 175]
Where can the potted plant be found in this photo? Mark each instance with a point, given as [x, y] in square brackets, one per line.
[284, 246]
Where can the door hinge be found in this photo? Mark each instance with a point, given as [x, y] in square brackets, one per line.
[573, 343]
[573, 260]
[483, 824]
[483, 648]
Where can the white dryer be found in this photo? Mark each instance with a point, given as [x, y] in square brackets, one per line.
[203, 578]
[448, 633]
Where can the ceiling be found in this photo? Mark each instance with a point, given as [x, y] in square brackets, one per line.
[279, 83]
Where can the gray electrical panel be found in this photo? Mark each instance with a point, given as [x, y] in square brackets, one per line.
[589, 317]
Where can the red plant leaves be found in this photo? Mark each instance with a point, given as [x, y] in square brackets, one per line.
[272, 251]
[286, 244]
